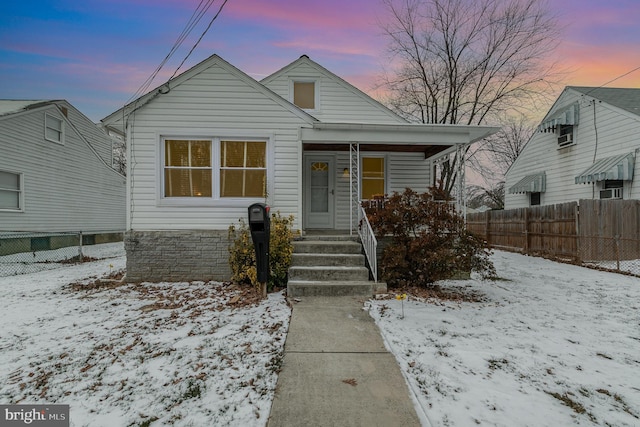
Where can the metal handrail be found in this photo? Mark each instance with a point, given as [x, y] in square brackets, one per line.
[369, 242]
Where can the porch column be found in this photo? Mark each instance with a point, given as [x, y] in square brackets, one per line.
[354, 187]
[461, 194]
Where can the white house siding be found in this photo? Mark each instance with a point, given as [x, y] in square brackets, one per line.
[617, 133]
[338, 101]
[402, 170]
[91, 133]
[213, 103]
[66, 187]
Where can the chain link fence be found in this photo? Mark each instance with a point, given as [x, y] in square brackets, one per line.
[620, 254]
[30, 252]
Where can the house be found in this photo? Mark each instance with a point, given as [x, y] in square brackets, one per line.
[585, 148]
[212, 141]
[56, 172]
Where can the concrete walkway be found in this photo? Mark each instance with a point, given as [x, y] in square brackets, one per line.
[336, 370]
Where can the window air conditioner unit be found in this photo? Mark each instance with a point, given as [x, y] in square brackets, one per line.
[565, 139]
[611, 193]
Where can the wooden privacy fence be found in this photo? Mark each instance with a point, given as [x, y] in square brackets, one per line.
[590, 231]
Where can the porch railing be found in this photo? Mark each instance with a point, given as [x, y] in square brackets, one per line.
[369, 242]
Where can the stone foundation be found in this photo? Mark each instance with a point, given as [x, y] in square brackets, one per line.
[177, 256]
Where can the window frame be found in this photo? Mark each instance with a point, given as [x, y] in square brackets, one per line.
[539, 196]
[316, 92]
[62, 132]
[564, 130]
[20, 191]
[215, 199]
[385, 172]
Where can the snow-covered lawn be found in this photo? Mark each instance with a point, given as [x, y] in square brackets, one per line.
[551, 345]
[187, 354]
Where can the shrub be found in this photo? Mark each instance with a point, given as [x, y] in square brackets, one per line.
[428, 240]
[242, 257]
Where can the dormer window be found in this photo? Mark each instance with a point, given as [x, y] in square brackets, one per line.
[565, 135]
[304, 95]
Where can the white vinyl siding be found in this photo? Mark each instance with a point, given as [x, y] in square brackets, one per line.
[336, 101]
[403, 170]
[65, 187]
[219, 104]
[617, 133]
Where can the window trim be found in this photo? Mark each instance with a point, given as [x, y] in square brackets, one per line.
[316, 93]
[215, 200]
[570, 130]
[539, 193]
[62, 130]
[20, 191]
[386, 173]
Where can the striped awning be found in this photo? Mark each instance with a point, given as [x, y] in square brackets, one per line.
[536, 183]
[610, 168]
[566, 116]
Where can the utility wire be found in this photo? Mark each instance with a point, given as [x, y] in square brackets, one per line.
[195, 18]
[200, 39]
[611, 81]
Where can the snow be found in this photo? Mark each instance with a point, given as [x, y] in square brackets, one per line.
[551, 344]
[178, 353]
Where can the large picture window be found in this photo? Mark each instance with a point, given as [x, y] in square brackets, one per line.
[10, 191]
[243, 171]
[372, 177]
[187, 168]
[214, 168]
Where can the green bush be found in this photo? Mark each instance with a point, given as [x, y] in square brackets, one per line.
[429, 240]
[242, 257]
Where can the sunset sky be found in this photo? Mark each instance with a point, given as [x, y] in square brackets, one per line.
[97, 53]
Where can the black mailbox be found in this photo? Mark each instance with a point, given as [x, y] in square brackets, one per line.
[260, 226]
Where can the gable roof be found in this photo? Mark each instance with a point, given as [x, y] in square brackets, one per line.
[627, 99]
[115, 117]
[304, 59]
[13, 106]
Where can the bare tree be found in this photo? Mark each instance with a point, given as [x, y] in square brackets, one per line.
[492, 157]
[467, 61]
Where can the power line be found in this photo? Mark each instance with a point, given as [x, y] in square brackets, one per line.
[200, 39]
[611, 81]
[195, 18]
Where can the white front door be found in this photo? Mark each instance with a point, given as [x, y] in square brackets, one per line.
[319, 191]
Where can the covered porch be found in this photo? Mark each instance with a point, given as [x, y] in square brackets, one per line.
[346, 163]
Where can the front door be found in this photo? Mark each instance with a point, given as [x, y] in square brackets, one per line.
[319, 192]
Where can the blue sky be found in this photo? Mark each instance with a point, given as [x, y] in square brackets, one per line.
[97, 53]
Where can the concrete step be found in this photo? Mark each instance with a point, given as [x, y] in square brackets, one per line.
[328, 260]
[328, 273]
[326, 247]
[301, 288]
[330, 237]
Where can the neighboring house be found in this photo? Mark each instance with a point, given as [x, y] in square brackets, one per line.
[585, 148]
[212, 141]
[56, 171]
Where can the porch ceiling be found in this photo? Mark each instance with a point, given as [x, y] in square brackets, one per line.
[394, 134]
[429, 139]
[428, 150]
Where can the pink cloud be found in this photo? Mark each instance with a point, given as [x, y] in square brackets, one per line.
[591, 65]
[290, 14]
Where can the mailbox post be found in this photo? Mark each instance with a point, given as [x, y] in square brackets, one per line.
[260, 227]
